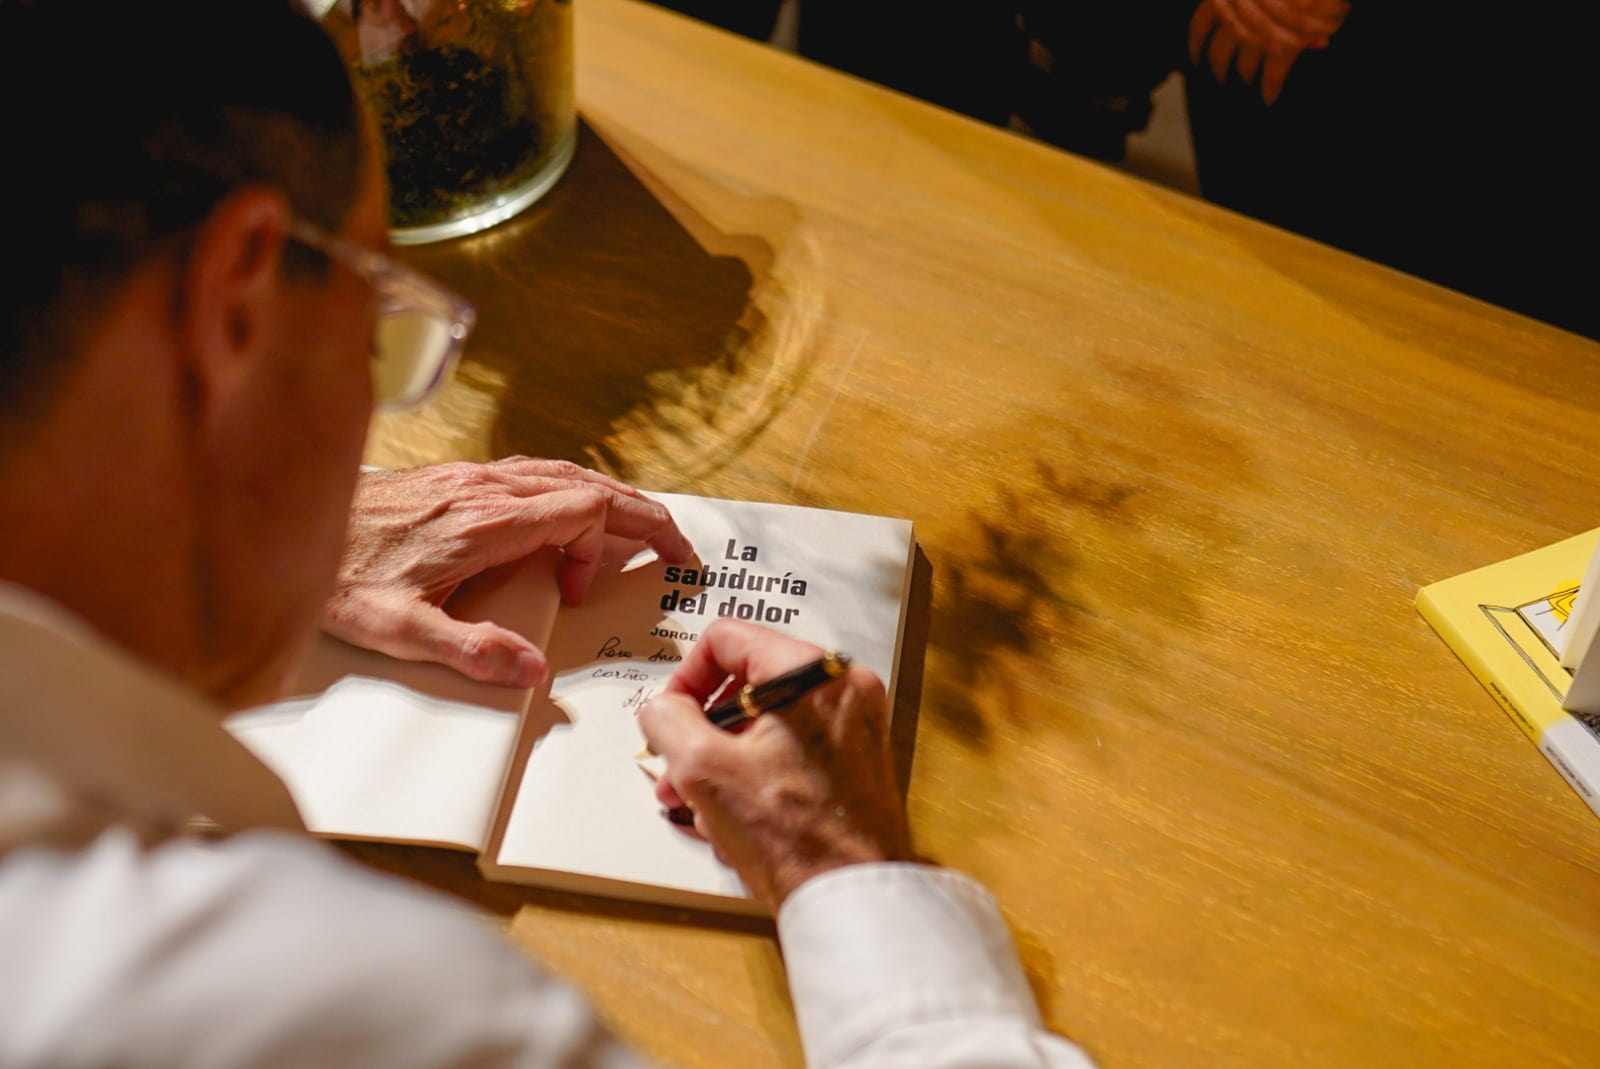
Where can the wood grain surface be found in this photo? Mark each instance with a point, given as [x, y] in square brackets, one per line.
[1177, 477]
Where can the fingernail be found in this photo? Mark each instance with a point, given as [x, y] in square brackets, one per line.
[681, 815]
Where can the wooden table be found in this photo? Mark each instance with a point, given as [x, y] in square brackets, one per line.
[1177, 477]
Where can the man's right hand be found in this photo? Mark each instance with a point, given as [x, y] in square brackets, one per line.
[798, 792]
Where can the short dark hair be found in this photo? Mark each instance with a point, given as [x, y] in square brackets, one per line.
[125, 124]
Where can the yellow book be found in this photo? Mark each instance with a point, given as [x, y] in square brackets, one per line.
[1506, 623]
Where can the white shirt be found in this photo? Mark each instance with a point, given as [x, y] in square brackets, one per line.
[124, 943]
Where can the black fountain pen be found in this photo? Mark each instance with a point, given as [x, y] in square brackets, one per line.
[777, 693]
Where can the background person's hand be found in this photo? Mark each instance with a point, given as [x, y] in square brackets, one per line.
[416, 536]
[1261, 36]
[1284, 27]
[798, 792]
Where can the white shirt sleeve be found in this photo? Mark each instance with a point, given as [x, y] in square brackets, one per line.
[908, 965]
[264, 949]
[267, 949]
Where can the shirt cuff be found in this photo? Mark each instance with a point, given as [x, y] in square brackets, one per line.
[874, 948]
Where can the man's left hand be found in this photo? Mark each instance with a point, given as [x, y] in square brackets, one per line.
[415, 536]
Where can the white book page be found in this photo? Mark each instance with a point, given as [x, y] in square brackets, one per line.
[1573, 747]
[1583, 696]
[371, 759]
[1578, 637]
[584, 805]
[393, 750]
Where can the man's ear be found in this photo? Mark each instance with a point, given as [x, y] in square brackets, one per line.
[229, 300]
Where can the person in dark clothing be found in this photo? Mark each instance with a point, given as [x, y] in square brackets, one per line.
[1447, 146]
[1409, 132]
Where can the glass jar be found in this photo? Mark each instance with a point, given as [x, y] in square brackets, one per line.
[474, 99]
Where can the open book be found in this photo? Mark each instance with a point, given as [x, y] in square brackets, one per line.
[544, 786]
[1513, 624]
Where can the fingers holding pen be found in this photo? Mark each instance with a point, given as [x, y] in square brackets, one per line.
[676, 729]
[734, 652]
[800, 791]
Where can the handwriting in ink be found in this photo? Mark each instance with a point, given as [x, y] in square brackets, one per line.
[626, 673]
[612, 647]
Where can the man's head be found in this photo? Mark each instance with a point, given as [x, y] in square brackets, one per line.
[183, 387]
[125, 125]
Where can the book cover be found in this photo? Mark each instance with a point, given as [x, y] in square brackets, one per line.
[544, 786]
[1507, 623]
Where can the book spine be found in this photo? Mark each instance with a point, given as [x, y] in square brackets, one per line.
[1468, 654]
[1575, 752]
[1576, 758]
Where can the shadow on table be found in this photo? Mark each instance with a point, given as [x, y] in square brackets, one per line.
[909, 672]
[1010, 591]
[1062, 587]
[618, 326]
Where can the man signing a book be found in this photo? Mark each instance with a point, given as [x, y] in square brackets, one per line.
[187, 345]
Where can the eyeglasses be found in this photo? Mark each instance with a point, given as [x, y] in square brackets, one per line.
[421, 329]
